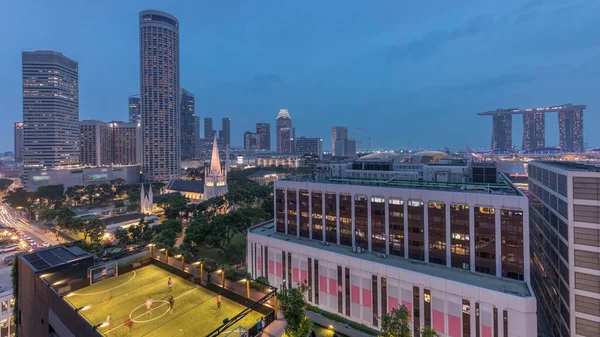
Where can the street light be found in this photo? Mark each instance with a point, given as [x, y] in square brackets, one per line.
[182, 260]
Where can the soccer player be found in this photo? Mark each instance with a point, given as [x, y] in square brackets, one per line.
[108, 299]
[109, 321]
[219, 301]
[149, 305]
[129, 323]
[170, 284]
[171, 303]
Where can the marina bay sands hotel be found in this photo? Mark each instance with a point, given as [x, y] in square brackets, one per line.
[570, 127]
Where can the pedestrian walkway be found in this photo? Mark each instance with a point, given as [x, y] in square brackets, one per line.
[276, 328]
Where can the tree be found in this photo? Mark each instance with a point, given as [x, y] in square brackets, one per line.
[92, 229]
[19, 198]
[5, 184]
[75, 193]
[118, 203]
[133, 206]
[123, 235]
[427, 331]
[396, 323]
[51, 194]
[292, 306]
[48, 214]
[173, 225]
[173, 205]
[65, 218]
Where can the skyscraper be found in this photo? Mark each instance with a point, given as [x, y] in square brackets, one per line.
[94, 143]
[208, 128]
[251, 141]
[502, 132]
[50, 110]
[226, 131]
[123, 142]
[190, 126]
[534, 131]
[570, 129]
[18, 142]
[338, 132]
[264, 130]
[134, 109]
[160, 95]
[284, 137]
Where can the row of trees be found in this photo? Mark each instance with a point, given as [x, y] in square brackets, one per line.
[92, 229]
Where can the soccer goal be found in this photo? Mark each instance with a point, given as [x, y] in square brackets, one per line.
[240, 331]
[103, 272]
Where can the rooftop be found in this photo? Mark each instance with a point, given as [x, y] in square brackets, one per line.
[571, 166]
[504, 187]
[513, 287]
[44, 259]
[181, 185]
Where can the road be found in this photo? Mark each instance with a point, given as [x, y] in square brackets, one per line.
[13, 219]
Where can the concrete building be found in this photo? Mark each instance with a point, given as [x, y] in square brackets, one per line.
[134, 109]
[50, 110]
[209, 132]
[305, 145]
[215, 175]
[123, 141]
[94, 143]
[456, 255]
[81, 176]
[252, 141]
[160, 96]
[280, 160]
[265, 177]
[264, 130]
[565, 246]
[225, 132]
[345, 147]
[570, 126]
[190, 126]
[284, 132]
[18, 128]
[338, 133]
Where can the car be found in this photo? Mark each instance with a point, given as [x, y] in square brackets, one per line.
[9, 260]
[46, 244]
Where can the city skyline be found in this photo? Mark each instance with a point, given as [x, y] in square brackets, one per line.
[251, 88]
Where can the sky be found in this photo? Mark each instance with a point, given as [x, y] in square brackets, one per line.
[410, 73]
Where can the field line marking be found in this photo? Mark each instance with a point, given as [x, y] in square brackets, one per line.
[107, 290]
[138, 316]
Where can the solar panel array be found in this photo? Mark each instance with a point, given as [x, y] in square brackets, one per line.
[51, 257]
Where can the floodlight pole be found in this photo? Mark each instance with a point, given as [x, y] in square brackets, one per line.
[167, 255]
[248, 288]
[182, 262]
[223, 278]
[201, 270]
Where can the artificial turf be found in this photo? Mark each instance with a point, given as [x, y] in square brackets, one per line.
[195, 311]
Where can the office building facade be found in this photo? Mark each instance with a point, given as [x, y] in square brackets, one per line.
[209, 132]
[252, 140]
[345, 147]
[190, 125]
[312, 146]
[264, 130]
[225, 132]
[123, 142]
[338, 133]
[455, 258]
[95, 143]
[565, 246]
[284, 132]
[160, 96]
[502, 132]
[134, 109]
[18, 129]
[50, 110]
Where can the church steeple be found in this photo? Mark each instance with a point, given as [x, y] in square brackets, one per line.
[215, 161]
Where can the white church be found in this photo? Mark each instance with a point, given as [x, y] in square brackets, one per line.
[214, 185]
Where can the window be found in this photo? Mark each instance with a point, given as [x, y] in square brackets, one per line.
[331, 218]
[361, 221]
[374, 298]
[459, 237]
[345, 220]
[310, 280]
[505, 322]
[317, 282]
[437, 232]
[280, 210]
[378, 224]
[339, 292]
[317, 216]
[466, 318]
[427, 307]
[485, 240]
[304, 214]
[292, 212]
[416, 228]
[511, 223]
[384, 299]
[396, 221]
[347, 291]
[416, 309]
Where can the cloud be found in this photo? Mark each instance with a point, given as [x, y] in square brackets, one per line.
[432, 42]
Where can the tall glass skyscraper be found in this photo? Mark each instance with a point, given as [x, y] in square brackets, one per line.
[50, 110]
[284, 132]
[190, 125]
[159, 96]
[134, 109]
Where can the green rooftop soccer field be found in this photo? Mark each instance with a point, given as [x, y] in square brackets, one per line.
[195, 311]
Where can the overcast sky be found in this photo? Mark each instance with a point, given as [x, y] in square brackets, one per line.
[409, 72]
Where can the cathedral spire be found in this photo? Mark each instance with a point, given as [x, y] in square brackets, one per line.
[215, 161]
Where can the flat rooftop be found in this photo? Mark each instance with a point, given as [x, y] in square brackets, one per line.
[572, 166]
[503, 187]
[513, 287]
[51, 257]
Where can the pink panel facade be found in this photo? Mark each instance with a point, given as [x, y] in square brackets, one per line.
[303, 276]
[323, 284]
[332, 287]
[367, 298]
[355, 294]
[438, 321]
[486, 331]
[259, 263]
[278, 269]
[392, 303]
[271, 267]
[454, 326]
[295, 276]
